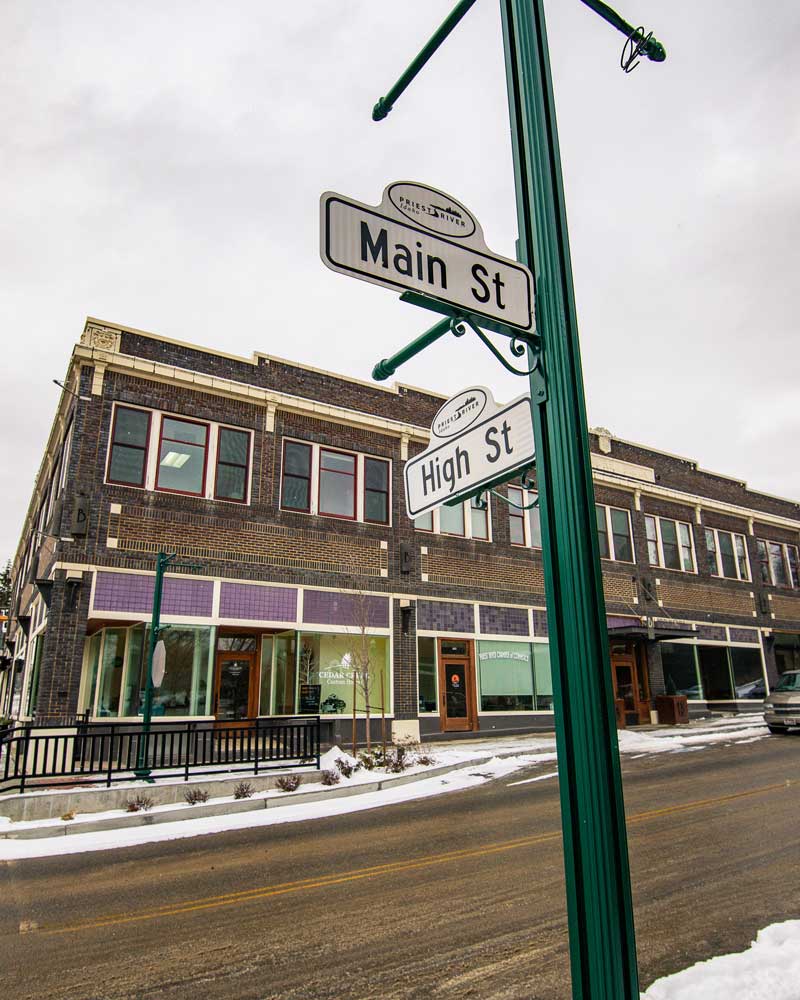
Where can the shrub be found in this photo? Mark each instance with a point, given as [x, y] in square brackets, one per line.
[347, 767]
[68, 816]
[370, 759]
[244, 790]
[425, 759]
[195, 795]
[330, 777]
[288, 782]
[397, 760]
[139, 803]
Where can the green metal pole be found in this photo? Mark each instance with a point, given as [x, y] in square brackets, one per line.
[599, 906]
[386, 368]
[142, 770]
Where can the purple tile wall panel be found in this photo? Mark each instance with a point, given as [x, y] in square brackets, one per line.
[329, 607]
[743, 635]
[503, 621]
[134, 592]
[621, 621]
[712, 632]
[445, 617]
[250, 602]
[540, 623]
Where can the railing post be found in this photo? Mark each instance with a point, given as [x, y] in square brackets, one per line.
[110, 755]
[188, 749]
[258, 746]
[27, 743]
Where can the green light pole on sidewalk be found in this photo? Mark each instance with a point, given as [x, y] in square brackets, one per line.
[599, 906]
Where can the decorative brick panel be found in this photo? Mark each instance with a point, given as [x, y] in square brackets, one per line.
[785, 607]
[198, 536]
[619, 589]
[134, 592]
[331, 607]
[503, 621]
[443, 616]
[705, 597]
[253, 603]
[493, 572]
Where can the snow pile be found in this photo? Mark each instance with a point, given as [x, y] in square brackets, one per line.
[768, 970]
[686, 738]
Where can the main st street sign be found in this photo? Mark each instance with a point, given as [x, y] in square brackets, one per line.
[475, 444]
[422, 240]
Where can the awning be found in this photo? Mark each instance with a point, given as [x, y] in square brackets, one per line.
[658, 633]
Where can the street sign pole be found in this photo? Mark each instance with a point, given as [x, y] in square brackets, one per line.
[599, 906]
[142, 769]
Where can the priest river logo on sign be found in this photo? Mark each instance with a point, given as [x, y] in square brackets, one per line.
[422, 240]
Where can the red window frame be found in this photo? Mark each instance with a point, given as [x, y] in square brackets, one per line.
[233, 465]
[182, 420]
[310, 448]
[387, 492]
[513, 512]
[336, 472]
[146, 449]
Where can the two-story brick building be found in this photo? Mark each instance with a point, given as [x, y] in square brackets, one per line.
[282, 486]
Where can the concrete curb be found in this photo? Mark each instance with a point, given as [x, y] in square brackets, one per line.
[174, 814]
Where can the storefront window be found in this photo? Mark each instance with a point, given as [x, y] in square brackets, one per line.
[543, 676]
[111, 675]
[338, 656]
[505, 676]
[90, 677]
[186, 686]
[787, 651]
[266, 674]
[680, 671]
[715, 674]
[426, 665]
[748, 673]
[285, 674]
[37, 664]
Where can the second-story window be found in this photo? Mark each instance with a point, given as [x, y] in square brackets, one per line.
[479, 518]
[233, 455]
[614, 533]
[465, 520]
[376, 490]
[127, 461]
[337, 484]
[334, 483]
[182, 456]
[778, 563]
[160, 451]
[727, 554]
[669, 543]
[524, 526]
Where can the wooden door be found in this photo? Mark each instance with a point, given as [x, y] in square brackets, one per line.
[457, 702]
[630, 688]
[235, 687]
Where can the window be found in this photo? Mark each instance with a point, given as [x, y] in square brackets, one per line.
[669, 544]
[465, 520]
[376, 490]
[182, 456]
[196, 458]
[614, 533]
[777, 563]
[427, 674]
[727, 555]
[296, 486]
[233, 454]
[524, 526]
[333, 483]
[127, 463]
[337, 484]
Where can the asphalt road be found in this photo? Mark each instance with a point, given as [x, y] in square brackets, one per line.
[457, 896]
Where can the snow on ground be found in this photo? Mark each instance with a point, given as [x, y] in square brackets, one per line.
[768, 970]
[492, 759]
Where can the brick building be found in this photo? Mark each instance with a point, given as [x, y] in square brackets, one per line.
[282, 486]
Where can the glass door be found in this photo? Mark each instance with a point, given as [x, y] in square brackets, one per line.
[235, 675]
[457, 686]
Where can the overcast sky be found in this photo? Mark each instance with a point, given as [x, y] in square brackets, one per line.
[162, 162]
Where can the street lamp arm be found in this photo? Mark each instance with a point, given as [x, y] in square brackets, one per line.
[385, 104]
[651, 47]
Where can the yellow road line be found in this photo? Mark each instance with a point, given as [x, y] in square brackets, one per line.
[390, 868]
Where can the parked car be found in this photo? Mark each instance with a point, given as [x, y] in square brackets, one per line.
[782, 705]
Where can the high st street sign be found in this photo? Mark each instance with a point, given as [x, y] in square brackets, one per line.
[475, 444]
[422, 240]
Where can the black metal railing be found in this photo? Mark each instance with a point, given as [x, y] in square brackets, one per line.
[93, 752]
